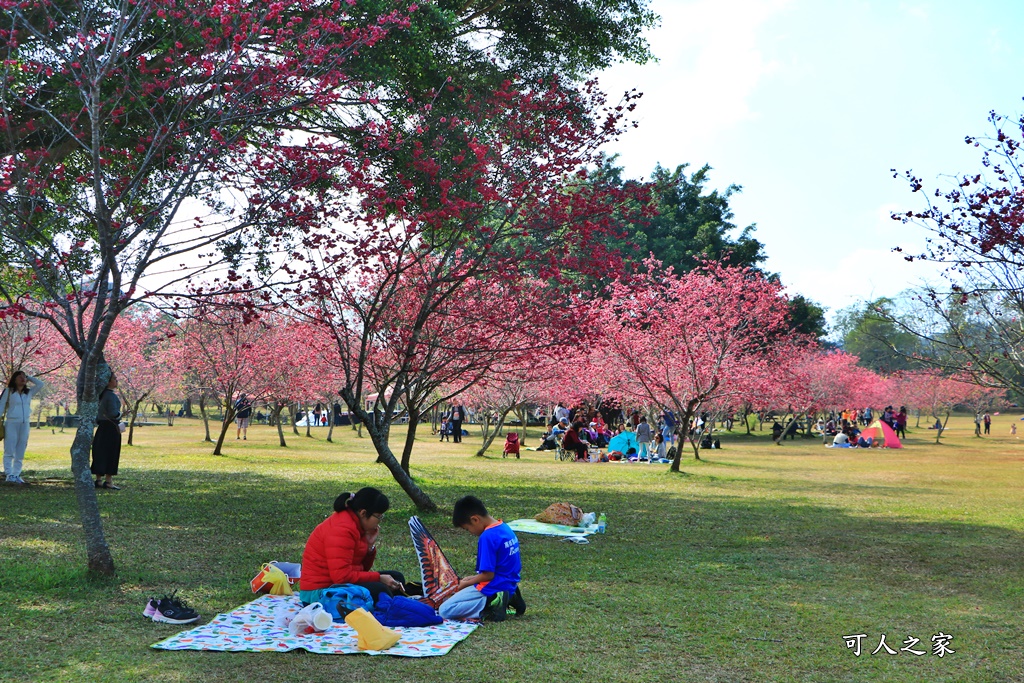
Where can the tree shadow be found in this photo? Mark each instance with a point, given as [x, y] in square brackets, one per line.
[716, 563]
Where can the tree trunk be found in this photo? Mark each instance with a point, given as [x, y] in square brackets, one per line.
[524, 415]
[918, 425]
[293, 413]
[206, 418]
[330, 428]
[229, 416]
[410, 439]
[379, 436]
[39, 416]
[280, 427]
[785, 430]
[100, 560]
[489, 438]
[305, 413]
[687, 414]
[187, 407]
[938, 432]
[384, 455]
[131, 421]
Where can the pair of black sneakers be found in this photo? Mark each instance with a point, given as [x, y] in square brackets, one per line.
[504, 604]
[170, 609]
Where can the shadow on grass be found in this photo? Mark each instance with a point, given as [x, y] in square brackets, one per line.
[715, 563]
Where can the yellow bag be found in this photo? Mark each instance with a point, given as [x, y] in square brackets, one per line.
[272, 576]
[370, 634]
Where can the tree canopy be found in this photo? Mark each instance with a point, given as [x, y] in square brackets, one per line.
[868, 331]
[692, 221]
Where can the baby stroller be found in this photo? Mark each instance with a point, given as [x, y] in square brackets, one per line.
[511, 445]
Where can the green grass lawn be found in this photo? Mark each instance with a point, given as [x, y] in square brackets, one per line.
[751, 566]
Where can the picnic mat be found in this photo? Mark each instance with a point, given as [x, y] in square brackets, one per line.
[532, 526]
[251, 628]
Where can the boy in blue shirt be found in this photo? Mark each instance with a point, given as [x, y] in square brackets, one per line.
[495, 587]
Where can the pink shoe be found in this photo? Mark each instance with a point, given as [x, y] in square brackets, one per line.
[150, 610]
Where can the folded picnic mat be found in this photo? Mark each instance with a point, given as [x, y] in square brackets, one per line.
[532, 526]
[252, 628]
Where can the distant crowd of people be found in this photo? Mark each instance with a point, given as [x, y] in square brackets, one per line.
[582, 429]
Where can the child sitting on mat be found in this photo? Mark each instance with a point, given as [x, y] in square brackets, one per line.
[495, 587]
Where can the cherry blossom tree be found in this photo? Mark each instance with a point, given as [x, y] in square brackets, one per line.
[935, 394]
[27, 342]
[226, 346]
[139, 351]
[296, 367]
[510, 388]
[117, 114]
[971, 323]
[481, 215]
[684, 341]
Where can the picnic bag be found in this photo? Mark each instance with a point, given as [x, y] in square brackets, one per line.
[271, 579]
[561, 513]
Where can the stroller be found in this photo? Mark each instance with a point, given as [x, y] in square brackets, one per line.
[511, 445]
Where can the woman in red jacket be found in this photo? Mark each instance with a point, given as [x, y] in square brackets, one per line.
[342, 549]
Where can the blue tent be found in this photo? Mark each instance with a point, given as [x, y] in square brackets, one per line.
[623, 442]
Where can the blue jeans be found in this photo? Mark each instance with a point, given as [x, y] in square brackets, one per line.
[468, 603]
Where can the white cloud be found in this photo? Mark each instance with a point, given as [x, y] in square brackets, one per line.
[711, 61]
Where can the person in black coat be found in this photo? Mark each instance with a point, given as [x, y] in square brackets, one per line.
[457, 416]
[106, 443]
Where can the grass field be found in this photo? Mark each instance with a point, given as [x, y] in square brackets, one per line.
[750, 566]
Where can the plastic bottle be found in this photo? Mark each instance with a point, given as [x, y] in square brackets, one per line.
[602, 523]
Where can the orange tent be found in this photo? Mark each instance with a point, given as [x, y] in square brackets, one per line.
[882, 434]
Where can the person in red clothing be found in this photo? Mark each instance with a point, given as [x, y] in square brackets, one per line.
[572, 442]
[342, 548]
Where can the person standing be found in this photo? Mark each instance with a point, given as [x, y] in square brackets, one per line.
[243, 413]
[988, 422]
[901, 423]
[16, 402]
[106, 443]
[643, 439]
[458, 415]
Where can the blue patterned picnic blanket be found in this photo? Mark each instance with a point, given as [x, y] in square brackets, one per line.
[251, 628]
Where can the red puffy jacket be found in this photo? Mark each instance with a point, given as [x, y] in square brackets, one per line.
[336, 552]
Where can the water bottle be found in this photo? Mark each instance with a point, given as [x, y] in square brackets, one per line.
[602, 522]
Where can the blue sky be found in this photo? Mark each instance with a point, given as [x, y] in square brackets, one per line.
[808, 103]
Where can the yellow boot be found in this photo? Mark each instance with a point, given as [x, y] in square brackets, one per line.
[372, 636]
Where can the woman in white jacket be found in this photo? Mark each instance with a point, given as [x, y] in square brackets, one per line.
[17, 399]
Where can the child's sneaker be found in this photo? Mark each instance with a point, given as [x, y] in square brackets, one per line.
[516, 604]
[172, 610]
[496, 607]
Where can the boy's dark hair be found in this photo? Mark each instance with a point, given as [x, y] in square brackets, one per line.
[466, 507]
